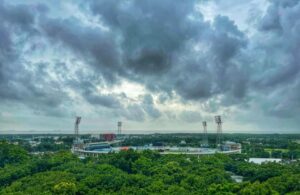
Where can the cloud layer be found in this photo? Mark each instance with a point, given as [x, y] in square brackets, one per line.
[159, 62]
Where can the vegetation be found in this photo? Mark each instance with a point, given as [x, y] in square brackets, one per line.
[253, 145]
[286, 146]
[130, 172]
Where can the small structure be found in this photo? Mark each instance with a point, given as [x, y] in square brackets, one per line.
[264, 160]
[124, 148]
[119, 127]
[228, 145]
[182, 142]
[98, 147]
[76, 129]
[34, 143]
[108, 136]
[204, 136]
[219, 131]
[95, 136]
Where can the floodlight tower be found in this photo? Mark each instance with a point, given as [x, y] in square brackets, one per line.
[219, 130]
[119, 127]
[77, 121]
[205, 141]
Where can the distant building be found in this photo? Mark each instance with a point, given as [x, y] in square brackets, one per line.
[297, 141]
[96, 136]
[34, 143]
[108, 136]
[228, 145]
[97, 147]
[56, 137]
[182, 142]
[264, 160]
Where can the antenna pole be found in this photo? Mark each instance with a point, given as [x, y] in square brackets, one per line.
[119, 127]
[77, 122]
[204, 136]
[219, 131]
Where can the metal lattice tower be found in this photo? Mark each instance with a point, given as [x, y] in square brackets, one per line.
[219, 130]
[205, 140]
[119, 127]
[77, 121]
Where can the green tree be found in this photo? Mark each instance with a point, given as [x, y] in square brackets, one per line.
[10, 154]
[43, 183]
[257, 188]
[65, 188]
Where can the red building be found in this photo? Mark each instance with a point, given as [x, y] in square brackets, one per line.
[108, 136]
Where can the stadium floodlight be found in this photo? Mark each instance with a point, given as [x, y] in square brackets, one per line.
[77, 122]
[205, 140]
[219, 131]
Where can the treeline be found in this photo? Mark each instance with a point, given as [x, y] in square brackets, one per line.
[130, 172]
[253, 145]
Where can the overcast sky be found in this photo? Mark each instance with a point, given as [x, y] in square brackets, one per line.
[156, 65]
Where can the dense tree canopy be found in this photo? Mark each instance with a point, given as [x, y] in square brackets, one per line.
[10, 154]
[130, 172]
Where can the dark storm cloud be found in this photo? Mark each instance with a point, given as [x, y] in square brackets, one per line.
[149, 106]
[280, 75]
[162, 98]
[157, 41]
[20, 16]
[287, 106]
[106, 100]
[164, 45]
[148, 42]
[96, 47]
[18, 83]
[87, 87]
[29, 88]
[271, 21]
[10, 19]
[153, 50]
[152, 41]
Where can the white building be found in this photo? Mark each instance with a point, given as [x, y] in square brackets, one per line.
[264, 160]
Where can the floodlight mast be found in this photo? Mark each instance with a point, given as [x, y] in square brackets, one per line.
[119, 127]
[77, 122]
[205, 140]
[218, 120]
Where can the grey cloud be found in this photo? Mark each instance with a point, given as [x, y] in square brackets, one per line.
[20, 16]
[227, 39]
[190, 116]
[31, 89]
[139, 111]
[163, 45]
[271, 21]
[133, 112]
[105, 100]
[142, 48]
[152, 111]
[94, 46]
[153, 50]
[149, 107]
[162, 98]
[148, 43]
[86, 85]
[18, 83]
[280, 75]
[148, 99]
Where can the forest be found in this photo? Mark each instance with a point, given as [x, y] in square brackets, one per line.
[130, 172]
